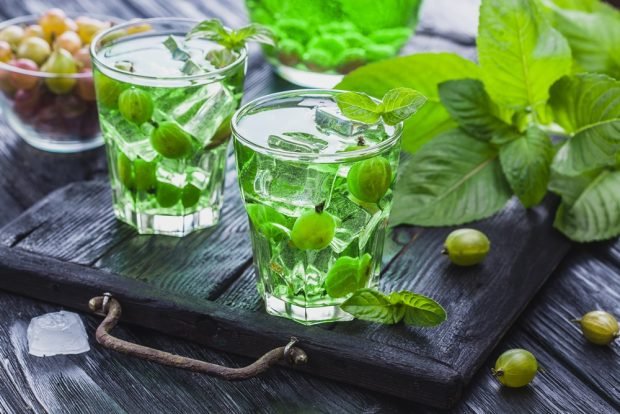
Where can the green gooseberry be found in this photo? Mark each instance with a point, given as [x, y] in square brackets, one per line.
[145, 175]
[171, 141]
[124, 171]
[318, 59]
[467, 247]
[295, 29]
[191, 195]
[395, 37]
[135, 105]
[167, 195]
[355, 39]
[313, 230]
[335, 45]
[60, 62]
[108, 90]
[515, 368]
[375, 52]
[369, 180]
[599, 327]
[339, 28]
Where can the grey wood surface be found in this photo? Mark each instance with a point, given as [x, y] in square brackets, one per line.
[578, 377]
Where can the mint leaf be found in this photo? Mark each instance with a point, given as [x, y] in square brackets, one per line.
[583, 5]
[419, 310]
[347, 275]
[215, 31]
[453, 179]
[268, 221]
[220, 58]
[595, 214]
[521, 55]
[400, 103]
[594, 39]
[526, 164]
[422, 72]
[570, 188]
[370, 305]
[470, 105]
[588, 106]
[358, 107]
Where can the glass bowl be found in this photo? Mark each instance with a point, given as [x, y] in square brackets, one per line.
[52, 112]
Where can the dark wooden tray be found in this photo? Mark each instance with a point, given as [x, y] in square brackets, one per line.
[69, 248]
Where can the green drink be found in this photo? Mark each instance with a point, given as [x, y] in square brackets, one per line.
[165, 110]
[320, 40]
[318, 190]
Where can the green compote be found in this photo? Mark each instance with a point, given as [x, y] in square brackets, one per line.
[318, 190]
[165, 104]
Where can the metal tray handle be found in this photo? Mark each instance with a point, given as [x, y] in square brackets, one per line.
[111, 309]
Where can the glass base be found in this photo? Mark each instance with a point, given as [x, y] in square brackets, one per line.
[307, 316]
[177, 226]
[308, 79]
[48, 143]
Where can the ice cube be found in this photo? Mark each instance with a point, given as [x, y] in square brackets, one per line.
[172, 171]
[199, 110]
[297, 142]
[352, 219]
[330, 119]
[291, 187]
[57, 333]
[377, 222]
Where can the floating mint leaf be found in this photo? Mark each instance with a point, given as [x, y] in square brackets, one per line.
[370, 305]
[400, 103]
[418, 310]
[359, 107]
[215, 31]
[347, 275]
[268, 221]
[220, 58]
[177, 52]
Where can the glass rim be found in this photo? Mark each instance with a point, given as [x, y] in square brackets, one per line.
[208, 75]
[33, 19]
[308, 156]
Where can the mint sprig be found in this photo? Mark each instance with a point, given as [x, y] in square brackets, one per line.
[411, 308]
[397, 105]
[485, 133]
[214, 30]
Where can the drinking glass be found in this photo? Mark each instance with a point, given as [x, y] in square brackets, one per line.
[317, 188]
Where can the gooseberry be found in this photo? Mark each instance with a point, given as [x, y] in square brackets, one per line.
[171, 141]
[376, 52]
[82, 58]
[6, 52]
[145, 175]
[26, 102]
[313, 230]
[123, 169]
[12, 35]
[34, 30]
[466, 247]
[71, 25]
[54, 23]
[515, 368]
[35, 49]
[21, 80]
[599, 327]
[108, 90]
[370, 179]
[85, 86]
[167, 194]
[135, 105]
[60, 62]
[70, 41]
[191, 195]
[88, 27]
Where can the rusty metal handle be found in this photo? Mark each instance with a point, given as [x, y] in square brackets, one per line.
[111, 309]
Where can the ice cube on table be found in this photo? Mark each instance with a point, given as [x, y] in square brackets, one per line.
[301, 142]
[199, 110]
[57, 333]
[351, 218]
[330, 119]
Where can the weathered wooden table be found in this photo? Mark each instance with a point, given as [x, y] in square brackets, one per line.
[578, 377]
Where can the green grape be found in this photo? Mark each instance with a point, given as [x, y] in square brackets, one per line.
[108, 90]
[313, 230]
[171, 141]
[60, 62]
[515, 368]
[167, 195]
[191, 195]
[370, 179]
[135, 105]
[123, 168]
[467, 247]
[145, 175]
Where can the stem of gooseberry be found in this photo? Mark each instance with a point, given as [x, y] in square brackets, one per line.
[319, 207]
[153, 123]
[497, 373]
[361, 141]
[444, 251]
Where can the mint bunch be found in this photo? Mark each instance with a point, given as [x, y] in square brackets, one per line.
[410, 308]
[484, 135]
[397, 105]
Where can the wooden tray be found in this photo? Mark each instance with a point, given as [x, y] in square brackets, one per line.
[69, 248]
